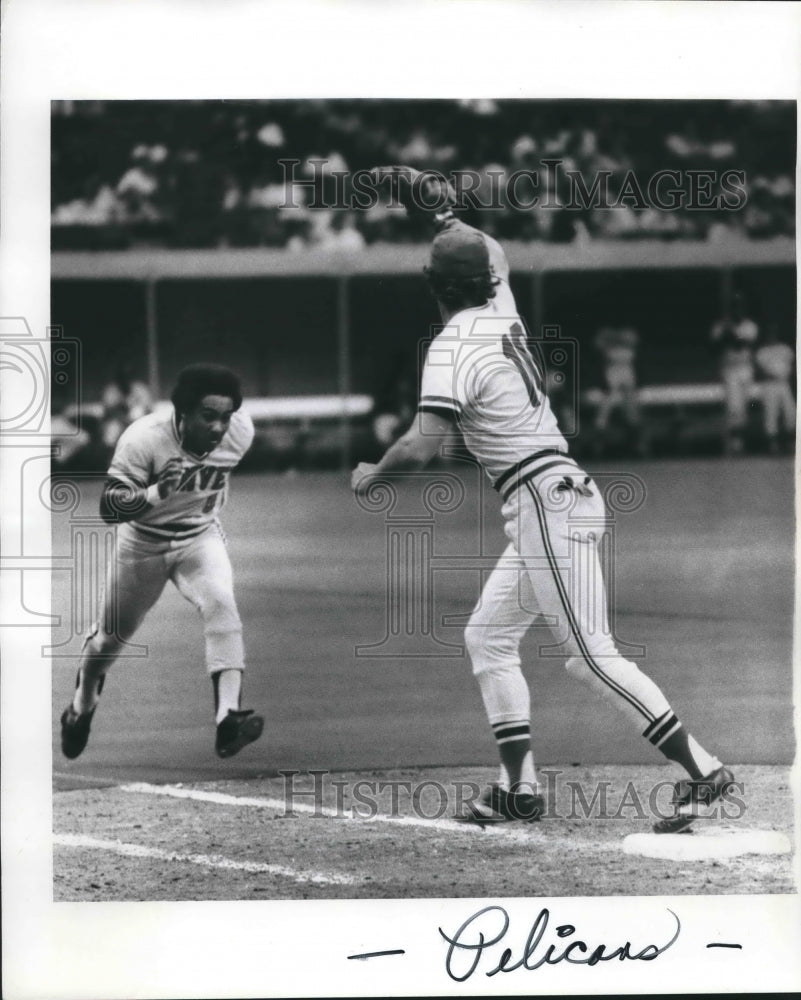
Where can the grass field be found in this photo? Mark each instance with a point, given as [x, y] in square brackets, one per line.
[704, 581]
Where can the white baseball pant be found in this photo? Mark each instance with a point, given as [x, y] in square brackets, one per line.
[778, 404]
[200, 569]
[621, 392]
[550, 574]
[737, 382]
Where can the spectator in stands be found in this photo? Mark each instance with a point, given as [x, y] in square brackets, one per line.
[383, 222]
[139, 188]
[264, 203]
[124, 400]
[619, 222]
[761, 216]
[775, 364]
[734, 336]
[618, 349]
[101, 207]
[343, 234]
[241, 140]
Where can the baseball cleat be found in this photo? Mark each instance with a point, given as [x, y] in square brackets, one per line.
[694, 800]
[75, 731]
[236, 730]
[497, 805]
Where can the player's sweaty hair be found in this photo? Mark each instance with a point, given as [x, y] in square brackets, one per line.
[196, 381]
[459, 293]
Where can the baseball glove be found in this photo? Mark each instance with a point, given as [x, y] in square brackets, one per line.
[421, 192]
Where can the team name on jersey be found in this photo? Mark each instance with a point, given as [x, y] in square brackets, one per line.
[202, 478]
[145, 448]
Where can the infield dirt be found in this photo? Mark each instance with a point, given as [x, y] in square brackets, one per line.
[212, 850]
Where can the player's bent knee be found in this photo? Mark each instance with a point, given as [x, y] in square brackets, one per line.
[220, 613]
[489, 649]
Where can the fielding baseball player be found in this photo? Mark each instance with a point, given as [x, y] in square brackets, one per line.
[167, 482]
[480, 375]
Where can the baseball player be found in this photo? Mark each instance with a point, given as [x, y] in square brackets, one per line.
[735, 336]
[618, 349]
[775, 363]
[167, 483]
[480, 376]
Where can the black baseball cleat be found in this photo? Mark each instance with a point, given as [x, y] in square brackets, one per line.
[497, 805]
[694, 800]
[236, 730]
[75, 731]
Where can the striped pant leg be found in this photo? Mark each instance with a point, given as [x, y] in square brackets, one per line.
[558, 540]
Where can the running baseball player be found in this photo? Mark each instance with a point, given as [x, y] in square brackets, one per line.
[480, 376]
[167, 483]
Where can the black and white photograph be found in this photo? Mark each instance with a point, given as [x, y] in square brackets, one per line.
[399, 511]
[554, 340]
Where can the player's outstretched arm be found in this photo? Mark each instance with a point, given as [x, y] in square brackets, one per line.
[122, 502]
[425, 193]
[428, 194]
[413, 451]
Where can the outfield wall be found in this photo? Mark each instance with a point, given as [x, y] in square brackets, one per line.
[320, 322]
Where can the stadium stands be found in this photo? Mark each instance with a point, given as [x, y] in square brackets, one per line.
[208, 174]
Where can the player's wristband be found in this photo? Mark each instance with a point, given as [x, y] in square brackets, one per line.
[152, 495]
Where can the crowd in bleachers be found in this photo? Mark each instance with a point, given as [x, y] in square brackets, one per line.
[207, 173]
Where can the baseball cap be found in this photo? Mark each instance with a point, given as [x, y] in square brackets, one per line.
[460, 253]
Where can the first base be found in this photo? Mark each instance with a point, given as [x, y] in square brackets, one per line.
[698, 846]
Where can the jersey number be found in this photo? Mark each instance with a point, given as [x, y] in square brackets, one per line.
[516, 350]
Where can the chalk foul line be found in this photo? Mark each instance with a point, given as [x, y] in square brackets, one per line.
[203, 860]
[530, 836]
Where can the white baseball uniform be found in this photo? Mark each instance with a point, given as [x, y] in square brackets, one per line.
[178, 539]
[737, 368]
[619, 350]
[480, 373]
[775, 363]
